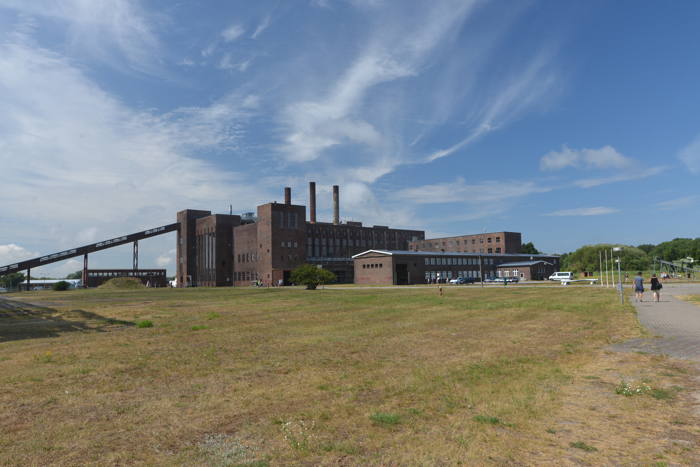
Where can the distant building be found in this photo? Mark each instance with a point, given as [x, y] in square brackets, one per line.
[376, 267]
[494, 242]
[46, 284]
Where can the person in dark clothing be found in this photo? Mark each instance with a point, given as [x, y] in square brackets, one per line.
[639, 287]
[656, 287]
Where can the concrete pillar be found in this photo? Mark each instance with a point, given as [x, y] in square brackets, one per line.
[312, 202]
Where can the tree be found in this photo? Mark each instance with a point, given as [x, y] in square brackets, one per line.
[587, 258]
[60, 286]
[11, 281]
[311, 276]
[529, 249]
[75, 275]
[646, 247]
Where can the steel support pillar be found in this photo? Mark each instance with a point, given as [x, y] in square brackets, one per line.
[85, 270]
[136, 255]
[29, 279]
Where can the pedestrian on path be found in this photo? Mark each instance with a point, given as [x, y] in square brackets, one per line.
[639, 287]
[656, 287]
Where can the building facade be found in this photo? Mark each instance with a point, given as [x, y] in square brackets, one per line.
[221, 250]
[494, 242]
[402, 267]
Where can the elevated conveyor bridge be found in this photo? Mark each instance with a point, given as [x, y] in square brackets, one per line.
[86, 249]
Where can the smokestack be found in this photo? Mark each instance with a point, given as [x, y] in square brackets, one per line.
[287, 195]
[312, 202]
[336, 205]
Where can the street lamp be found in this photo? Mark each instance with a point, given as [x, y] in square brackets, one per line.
[618, 249]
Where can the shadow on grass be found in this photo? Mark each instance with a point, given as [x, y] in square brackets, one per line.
[22, 320]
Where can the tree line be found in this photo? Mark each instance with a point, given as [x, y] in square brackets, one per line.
[640, 257]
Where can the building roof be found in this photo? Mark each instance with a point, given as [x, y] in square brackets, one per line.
[450, 253]
[522, 264]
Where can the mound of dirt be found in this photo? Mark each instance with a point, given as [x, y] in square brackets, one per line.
[123, 283]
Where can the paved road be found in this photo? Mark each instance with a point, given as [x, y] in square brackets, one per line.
[673, 323]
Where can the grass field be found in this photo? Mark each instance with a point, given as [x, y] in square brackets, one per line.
[334, 377]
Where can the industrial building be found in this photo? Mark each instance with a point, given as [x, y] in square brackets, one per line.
[423, 267]
[264, 247]
[225, 250]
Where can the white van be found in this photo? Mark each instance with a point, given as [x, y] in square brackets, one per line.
[561, 276]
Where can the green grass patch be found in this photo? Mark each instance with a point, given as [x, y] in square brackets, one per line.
[146, 323]
[385, 418]
[583, 446]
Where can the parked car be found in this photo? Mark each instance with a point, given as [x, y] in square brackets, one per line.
[462, 280]
[560, 276]
[3, 290]
[504, 279]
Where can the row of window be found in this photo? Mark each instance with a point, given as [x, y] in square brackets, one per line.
[289, 244]
[247, 257]
[507, 273]
[372, 266]
[448, 261]
[457, 242]
[246, 276]
[125, 273]
[286, 220]
[432, 275]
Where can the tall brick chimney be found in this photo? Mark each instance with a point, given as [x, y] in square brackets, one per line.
[287, 195]
[336, 205]
[312, 202]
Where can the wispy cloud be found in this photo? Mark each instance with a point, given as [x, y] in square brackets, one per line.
[634, 174]
[339, 118]
[261, 27]
[677, 203]
[606, 157]
[228, 63]
[690, 155]
[117, 33]
[232, 33]
[594, 211]
[524, 89]
[461, 192]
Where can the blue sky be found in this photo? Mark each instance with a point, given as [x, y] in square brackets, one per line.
[572, 122]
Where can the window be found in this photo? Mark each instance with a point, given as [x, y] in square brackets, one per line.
[488, 240]
[427, 261]
[498, 250]
[498, 239]
[490, 250]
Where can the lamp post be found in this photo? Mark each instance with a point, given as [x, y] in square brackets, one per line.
[618, 249]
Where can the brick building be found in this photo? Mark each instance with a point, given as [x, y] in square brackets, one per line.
[221, 250]
[401, 267]
[494, 242]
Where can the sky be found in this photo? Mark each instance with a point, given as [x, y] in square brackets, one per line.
[574, 122]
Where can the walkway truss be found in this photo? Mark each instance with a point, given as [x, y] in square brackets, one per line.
[675, 267]
[85, 250]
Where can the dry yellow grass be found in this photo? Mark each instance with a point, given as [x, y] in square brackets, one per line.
[349, 377]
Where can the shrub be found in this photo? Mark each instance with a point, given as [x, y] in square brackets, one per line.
[145, 324]
[60, 286]
[122, 283]
[311, 276]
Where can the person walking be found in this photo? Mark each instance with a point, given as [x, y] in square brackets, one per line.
[639, 287]
[656, 287]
